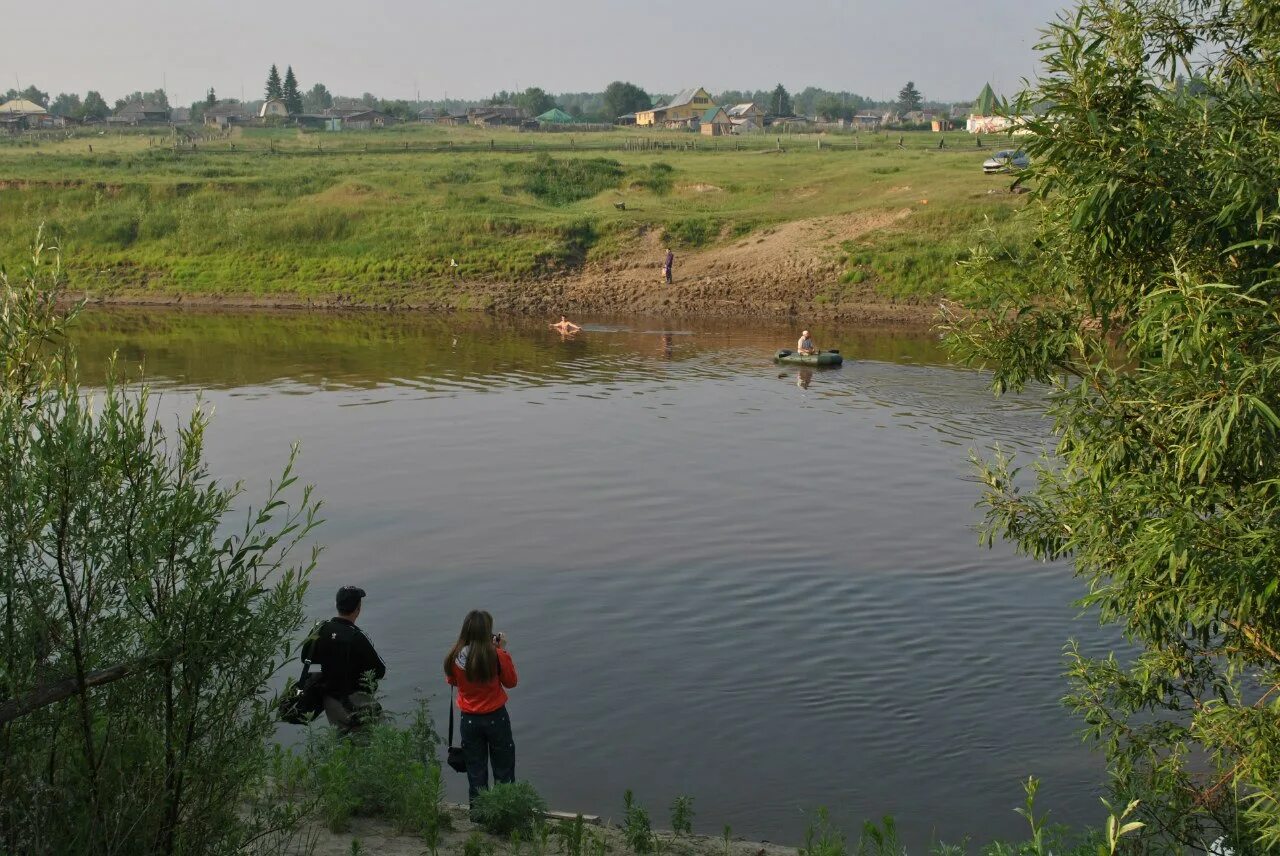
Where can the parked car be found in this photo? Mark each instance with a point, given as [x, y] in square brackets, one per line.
[1007, 160]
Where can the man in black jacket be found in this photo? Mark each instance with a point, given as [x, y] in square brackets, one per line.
[350, 665]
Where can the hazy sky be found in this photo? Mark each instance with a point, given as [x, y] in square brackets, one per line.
[471, 48]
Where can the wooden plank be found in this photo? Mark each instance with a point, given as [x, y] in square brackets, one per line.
[592, 819]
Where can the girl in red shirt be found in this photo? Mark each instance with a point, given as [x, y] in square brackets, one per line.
[480, 667]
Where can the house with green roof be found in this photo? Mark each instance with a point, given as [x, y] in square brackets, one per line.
[715, 122]
[555, 116]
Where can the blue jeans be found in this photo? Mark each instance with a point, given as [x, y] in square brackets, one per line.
[486, 738]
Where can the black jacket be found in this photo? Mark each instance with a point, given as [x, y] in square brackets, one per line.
[344, 654]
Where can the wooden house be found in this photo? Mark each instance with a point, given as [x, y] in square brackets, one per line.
[273, 108]
[225, 115]
[140, 113]
[715, 123]
[749, 111]
[684, 110]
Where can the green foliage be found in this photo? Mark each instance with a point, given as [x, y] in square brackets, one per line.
[391, 771]
[682, 815]
[621, 98]
[477, 845]
[560, 182]
[909, 98]
[572, 835]
[274, 88]
[1150, 313]
[876, 840]
[821, 838]
[116, 558]
[656, 178]
[691, 231]
[507, 807]
[636, 831]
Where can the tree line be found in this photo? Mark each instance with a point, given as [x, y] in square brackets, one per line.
[619, 98]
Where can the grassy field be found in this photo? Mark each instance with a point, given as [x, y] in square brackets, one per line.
[374, 216]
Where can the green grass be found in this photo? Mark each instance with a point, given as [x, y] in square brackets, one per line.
[277, 211]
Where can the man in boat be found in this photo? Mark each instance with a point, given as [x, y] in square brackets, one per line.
[564, 325]
[805, 346]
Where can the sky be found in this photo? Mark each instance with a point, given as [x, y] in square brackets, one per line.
[473, 48]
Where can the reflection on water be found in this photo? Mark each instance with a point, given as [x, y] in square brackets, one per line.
[755, 585]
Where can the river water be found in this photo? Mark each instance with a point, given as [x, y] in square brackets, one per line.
[760, 586]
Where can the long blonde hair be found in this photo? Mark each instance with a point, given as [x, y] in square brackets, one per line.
[476, 637]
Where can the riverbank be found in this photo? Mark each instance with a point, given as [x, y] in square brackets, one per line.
[376, 837]
[785, 271]
[867, 227]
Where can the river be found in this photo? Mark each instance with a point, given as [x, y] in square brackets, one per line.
[760, 586]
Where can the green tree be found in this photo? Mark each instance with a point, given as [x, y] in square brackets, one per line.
[139, 629]
[292, 97]
[621, 98]
[316, 99]
[780, 101]
[274, 88]
[34, 95]
[909, 98]
[66, 104]
[210, 98]
[534, 101]
[95, 107]
[1148, 305]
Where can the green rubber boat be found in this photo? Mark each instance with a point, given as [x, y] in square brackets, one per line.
[822, 358]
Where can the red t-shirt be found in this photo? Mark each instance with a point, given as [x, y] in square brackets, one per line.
[483, 697]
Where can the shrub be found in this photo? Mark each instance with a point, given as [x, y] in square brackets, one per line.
[823, 839]
[391, 772]
[572, 835]
[476, 845]
[691, 231]
[560, 182]
[636, 830]
[682, 815]
[508, 807]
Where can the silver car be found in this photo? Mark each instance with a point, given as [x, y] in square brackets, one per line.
[1007, 160]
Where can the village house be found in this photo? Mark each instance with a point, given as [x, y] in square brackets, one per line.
[367, 120]
[495, 116]
[866, 122]
[223, 116]
[22, 115]
[715, 123]
[140, 113]
[273, 108]
[684, 110]
[749, 111]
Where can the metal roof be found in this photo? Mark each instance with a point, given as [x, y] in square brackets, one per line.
[681, 98]
[22, 105]
[710, 116]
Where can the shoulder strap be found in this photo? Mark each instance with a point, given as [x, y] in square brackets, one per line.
[451, 720]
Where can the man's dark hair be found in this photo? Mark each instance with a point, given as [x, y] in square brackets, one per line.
[348, 599]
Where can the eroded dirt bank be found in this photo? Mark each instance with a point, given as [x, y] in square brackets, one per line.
[788, 270]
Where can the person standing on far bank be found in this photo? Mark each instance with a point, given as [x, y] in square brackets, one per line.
[668, 262]
[349, 663]
[482, 670]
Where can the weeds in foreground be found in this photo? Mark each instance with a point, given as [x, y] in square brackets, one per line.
[682, 815]
[876, 840]
[477, 845]
[636, 831]
[508, 807]
[727, 835]
[821, 838]
[572, 835]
